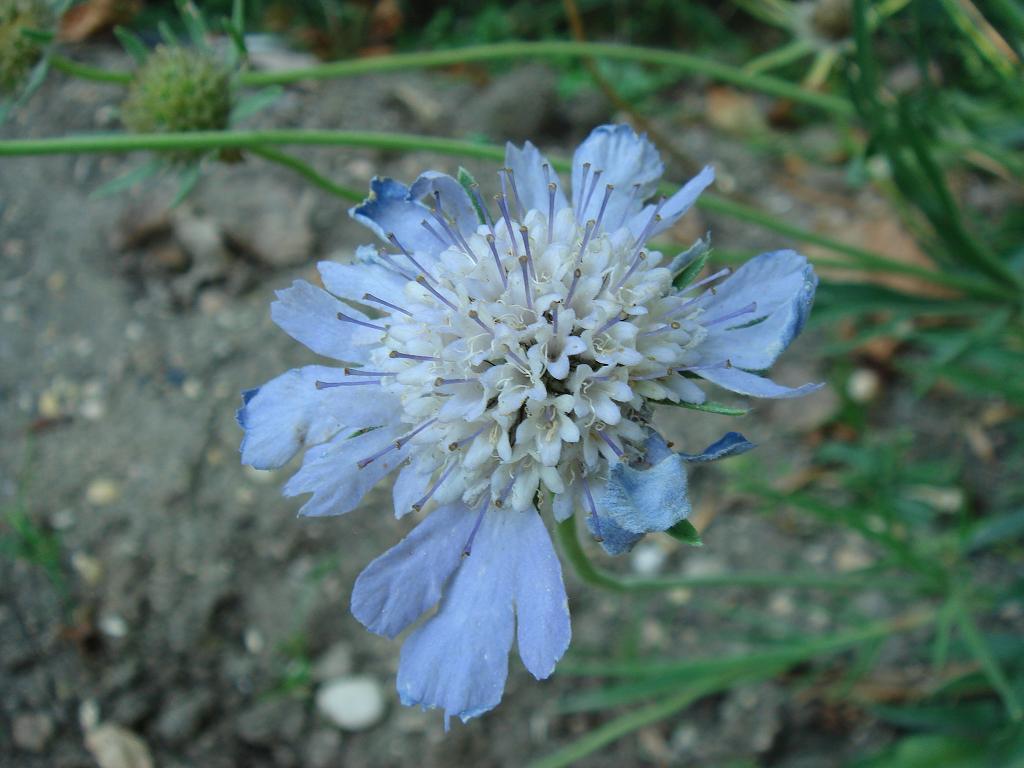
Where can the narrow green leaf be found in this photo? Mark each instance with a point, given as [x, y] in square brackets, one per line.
[127, 180]
[132, 44]
[255, 102]
[194, 23]
[468, 183]
[167, 34]
[238, 16]
[43, 36]
[979, 648]
[685, 532]
[994, 530]
[188, 180]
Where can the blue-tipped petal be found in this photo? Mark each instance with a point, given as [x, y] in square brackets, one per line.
[390, 210]
[332, 474]
[407, 580]
[745, 383]
[614, 539]
[781, 284]
[675, 207]
[310, 315]
[730, 444]
[645, 500]
[458, 659]
[542, 609]
[625, 159]
[527, 166]
[289, 413]
[455, 202]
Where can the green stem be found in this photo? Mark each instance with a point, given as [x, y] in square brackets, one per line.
[591, 574]
[779, 57]
[307, 172]
[554, 49]
[560, 49]
[89, 72]
[407, 142]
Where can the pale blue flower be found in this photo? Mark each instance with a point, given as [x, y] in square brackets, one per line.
[508, 366]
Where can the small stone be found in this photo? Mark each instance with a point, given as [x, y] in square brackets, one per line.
[351, 703]
[253, 640]
[56, 281]
[102, 492]
[32, 732]
[270, 722]
[88, 568]
[183, 715]
[115, 747]
[113, 626]
[336, 662]
[49, 404]
[863, 385]
[93, 409]
[852, 556]
[322, 748]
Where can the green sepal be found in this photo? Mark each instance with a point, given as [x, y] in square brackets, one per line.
[709, 407]
[685, 532]
[691, 270]
[468, 183]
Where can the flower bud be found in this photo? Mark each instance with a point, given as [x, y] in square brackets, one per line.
[18, 52]
[179, 89]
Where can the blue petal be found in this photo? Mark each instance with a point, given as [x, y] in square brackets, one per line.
[310, 315]
[626, 159]
[674, 207]
[406, 581]
[730, 444]
[542, 609]
[331, 472]
[782, 285]
[751, 384]
[353, 281]
[289, 412]
[458, 659]
[527, 166]
[390, 209]
[614, 539]
[645, 500]
[410, 485]
[455, 202]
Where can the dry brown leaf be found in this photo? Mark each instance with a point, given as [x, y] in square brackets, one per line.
[94, 16]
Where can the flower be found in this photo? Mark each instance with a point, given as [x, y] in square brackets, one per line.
[498, 357]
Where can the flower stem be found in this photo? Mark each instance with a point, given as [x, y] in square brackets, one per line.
[307, 172]
[89, 72]
[864, 259]
[591, 574]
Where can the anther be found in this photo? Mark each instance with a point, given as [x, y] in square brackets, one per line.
[396, 355]
[468, 548]
[524, 232]
[407, 254]
[406, 438]
[576, 275]
[475, 317]
[527, 288]
[582, 190]
[709, 279]
[418, 505]
[363, 463]
[632, 268]
[459, 443]
[497, 261]
[587, 234]
[500, 501]
[423, 281]
[345, 318]
[388, 304]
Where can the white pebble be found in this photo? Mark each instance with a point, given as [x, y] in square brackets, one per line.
[351, 703]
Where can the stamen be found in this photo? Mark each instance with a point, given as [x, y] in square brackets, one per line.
[576, 275]
[383, 254]
[500, 501]
[617, 319]
[433, 488]
[515, 192]
[587, 233]
[333, 384]
[475, 317]
[468, 548]
[446, 243]
[593, 511]
[409, 256]
[459, 443]
[394, 354]
[516, 359]
[480, 202]
[406, 438]
[709, 279]
[554, 318]
[751, 307]
[503, 206]
[452, 232]
[497, 261]
[632, 268]
[363, 463]
[673, 326]
[525, 234]
[604, 204]
[439, 382]
[551, 206]
[655, 218]
[582, 189]
[627, 206]
[347, 319]
[590, 192]
[527, 288]
[423, 281]
[678, 310]
[610, 443]
[364, 372]
[378, 300]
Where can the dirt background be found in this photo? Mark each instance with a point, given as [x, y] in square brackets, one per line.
[196, 617]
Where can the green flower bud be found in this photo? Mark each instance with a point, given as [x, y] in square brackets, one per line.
[179, 89]
[18, 52]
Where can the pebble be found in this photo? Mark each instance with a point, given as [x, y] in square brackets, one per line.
[351, 703]
[113, 626]
[102, 491]
[322, 748]
[271, 721]
[115, 747]
[32, 731]
[863, 385]
[183, 715]
[88, 568]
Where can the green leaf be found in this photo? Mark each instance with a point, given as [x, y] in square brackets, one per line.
[189, 178]
[194, 23]
[994, 530]
[128, 180]
[167, 34]
[691, 270]
[982, 653]
[685, 532]
[709, 407]
[133, 45]
[42, 36]
[255, 102]
[469, 184]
